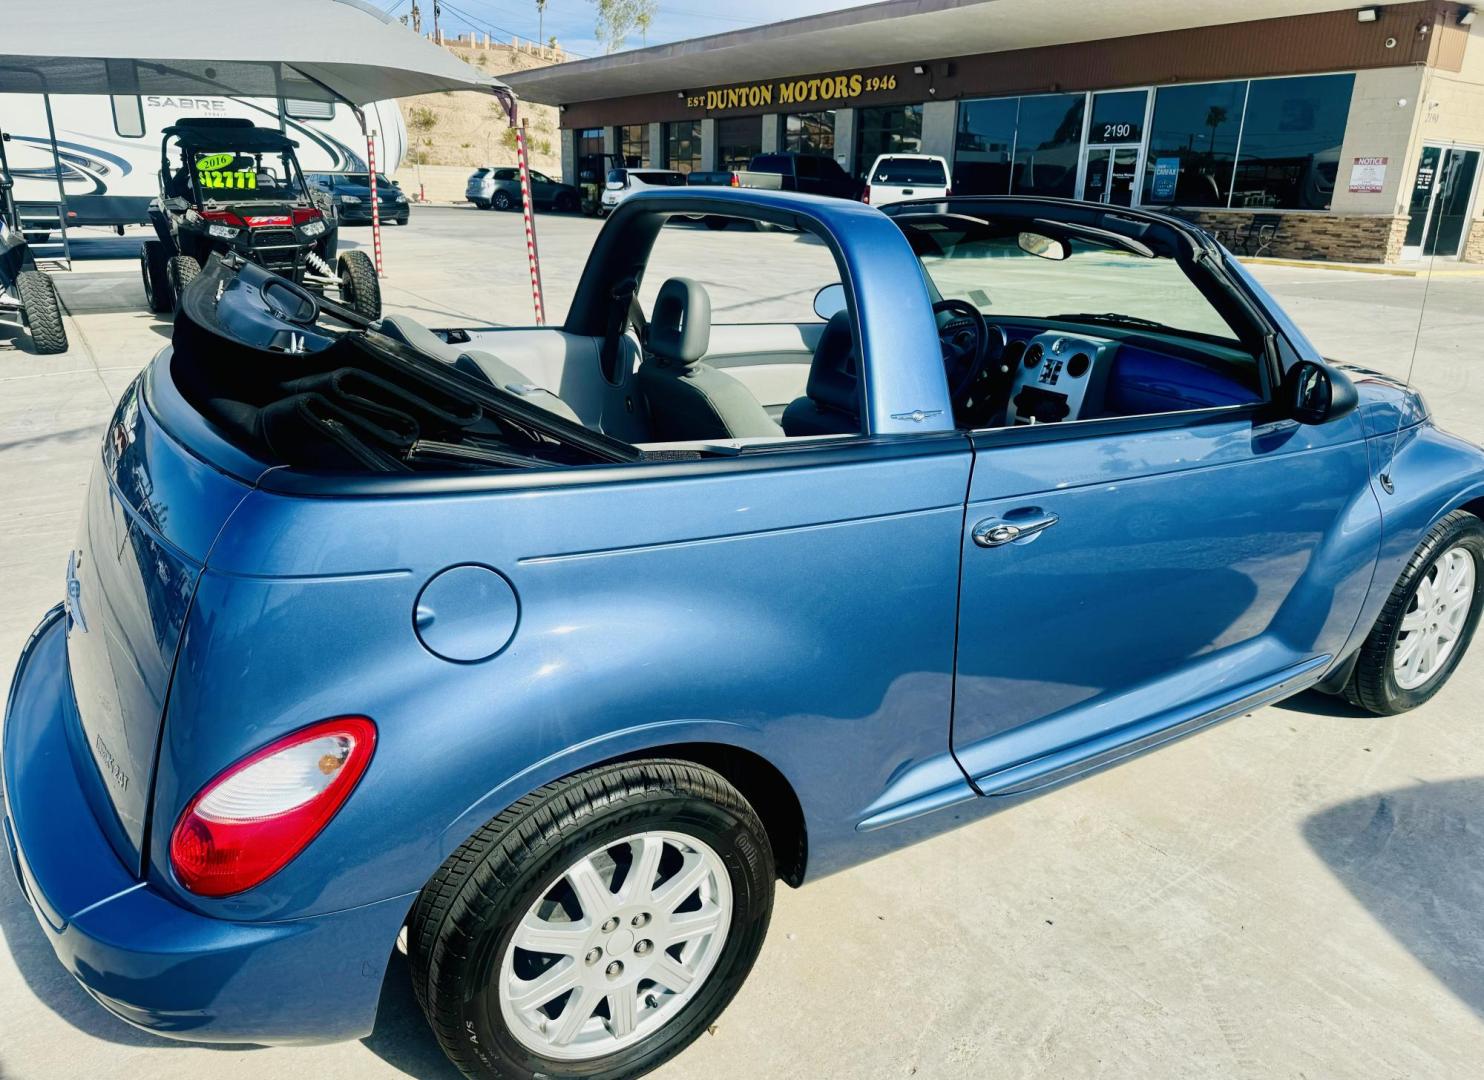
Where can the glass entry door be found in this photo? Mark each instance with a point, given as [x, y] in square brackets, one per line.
[1442, 198]
[1111, 174]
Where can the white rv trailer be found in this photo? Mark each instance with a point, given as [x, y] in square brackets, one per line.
[97, 158]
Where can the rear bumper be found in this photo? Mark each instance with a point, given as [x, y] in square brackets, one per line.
[148, 960]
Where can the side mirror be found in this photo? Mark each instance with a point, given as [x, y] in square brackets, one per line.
[1044, 247]
[829, 301]
[1315, 394]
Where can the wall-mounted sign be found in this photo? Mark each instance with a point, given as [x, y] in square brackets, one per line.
[819, 89]
[1166, 177]
[1368, 174]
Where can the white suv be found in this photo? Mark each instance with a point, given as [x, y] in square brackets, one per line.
[896, 177]
[625, 182]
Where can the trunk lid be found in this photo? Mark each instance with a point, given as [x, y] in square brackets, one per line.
[151, 515]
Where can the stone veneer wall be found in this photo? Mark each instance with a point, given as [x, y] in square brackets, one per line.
[1474, 247]
[1318, 235]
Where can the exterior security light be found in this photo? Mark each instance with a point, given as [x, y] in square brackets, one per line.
[918, 69]
[1466, 17]
[1367, 14]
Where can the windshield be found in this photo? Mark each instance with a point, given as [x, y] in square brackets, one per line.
[1096, 285]
[241, 177]
[902, 170]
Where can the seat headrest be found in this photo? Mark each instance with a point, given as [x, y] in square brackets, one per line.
[680, 327]
[833, 372]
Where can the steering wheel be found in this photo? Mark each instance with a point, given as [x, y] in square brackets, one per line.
[965, 342]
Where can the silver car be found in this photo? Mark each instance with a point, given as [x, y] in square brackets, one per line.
[499, 189]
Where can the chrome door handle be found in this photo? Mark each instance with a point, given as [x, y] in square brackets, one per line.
[997, 532]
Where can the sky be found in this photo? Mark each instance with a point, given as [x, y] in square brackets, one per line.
[572, 20]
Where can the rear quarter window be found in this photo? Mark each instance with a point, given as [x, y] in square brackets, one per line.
[505, 174]
[661, 179]
[775, 163]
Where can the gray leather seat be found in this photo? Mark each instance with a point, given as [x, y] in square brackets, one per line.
[688, 399]
[831, 401]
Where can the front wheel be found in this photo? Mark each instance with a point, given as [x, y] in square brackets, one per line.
[360, 289]
[154, 260]
[1427, 623]
[596, 927]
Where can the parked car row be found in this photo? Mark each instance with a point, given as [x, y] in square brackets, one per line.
[891, 178]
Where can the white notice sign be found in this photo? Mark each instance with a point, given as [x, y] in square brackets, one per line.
[1368, 174]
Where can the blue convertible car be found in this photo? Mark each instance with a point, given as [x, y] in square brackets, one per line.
[548, 650]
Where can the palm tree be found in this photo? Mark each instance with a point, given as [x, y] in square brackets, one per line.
[540, 20]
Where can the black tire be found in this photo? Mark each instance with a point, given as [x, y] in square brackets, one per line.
[154, 269]
[565, 203]
[360, 289]
[181, 271]
[480, 204]
[465, 917]
[38, 237]
[43, 312]
[717, 223]
[1373, 684]
[403, 219]
[502, 201]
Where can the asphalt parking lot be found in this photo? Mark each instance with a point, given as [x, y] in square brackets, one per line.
[1297, 893]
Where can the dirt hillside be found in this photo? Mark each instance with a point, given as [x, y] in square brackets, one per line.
[466, 129]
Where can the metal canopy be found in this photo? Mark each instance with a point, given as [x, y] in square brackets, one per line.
[319, 50]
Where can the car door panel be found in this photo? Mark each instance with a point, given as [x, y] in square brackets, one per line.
[1187, 566]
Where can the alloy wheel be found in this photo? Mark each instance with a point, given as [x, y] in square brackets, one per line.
[1435, 619]
[616, 947]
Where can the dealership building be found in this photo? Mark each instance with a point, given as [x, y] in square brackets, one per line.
[1323, 130]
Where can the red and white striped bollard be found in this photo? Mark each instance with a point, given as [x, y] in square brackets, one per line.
[525, 197]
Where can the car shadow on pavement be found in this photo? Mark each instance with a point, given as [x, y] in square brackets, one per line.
[402, 1037]
[1411, 857]
[1318, 704]
[54, 986]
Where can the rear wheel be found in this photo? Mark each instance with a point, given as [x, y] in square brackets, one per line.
[503, 201]
[360, 289]
[43, 312]
[596, 927]
[716, 223]
[154, 269]
[1427, 623]
[181, 271]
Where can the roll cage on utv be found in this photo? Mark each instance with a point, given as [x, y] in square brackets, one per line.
[27, 296]
[226, 185]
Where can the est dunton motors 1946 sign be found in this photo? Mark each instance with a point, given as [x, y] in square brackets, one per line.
[791, 91]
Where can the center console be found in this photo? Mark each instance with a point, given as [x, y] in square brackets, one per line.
[1060, 377]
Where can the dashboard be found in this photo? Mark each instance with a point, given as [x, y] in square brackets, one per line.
[1056, 376]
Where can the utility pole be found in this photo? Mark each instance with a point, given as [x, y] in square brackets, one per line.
[417, 18]
[437, 11]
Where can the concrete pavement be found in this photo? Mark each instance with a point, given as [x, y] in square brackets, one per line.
[1295, 893]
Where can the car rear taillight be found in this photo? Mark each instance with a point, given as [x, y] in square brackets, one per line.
[304, 214]
[736, 180]
[866, 195]
[254, 818]
[224, 217]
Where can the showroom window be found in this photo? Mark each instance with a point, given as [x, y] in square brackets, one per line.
[1048, 145]
[739, 139]
[1290, 150]
[985, 146]
[895, 129]
[1195, 130]
[683, 146]
[633, 144]
[810, 133]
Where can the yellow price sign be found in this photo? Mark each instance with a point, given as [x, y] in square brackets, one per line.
[239, 179]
